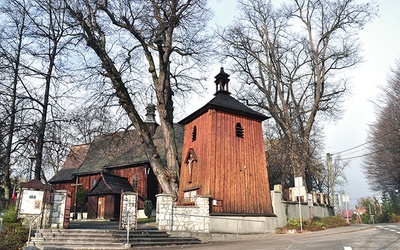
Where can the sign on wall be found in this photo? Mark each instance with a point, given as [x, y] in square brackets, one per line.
[129, 210]
[31, 202]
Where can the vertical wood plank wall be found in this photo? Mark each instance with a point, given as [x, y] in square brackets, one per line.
[229, 168]
[129, 172]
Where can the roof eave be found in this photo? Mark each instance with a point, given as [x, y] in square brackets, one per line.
[207, 107]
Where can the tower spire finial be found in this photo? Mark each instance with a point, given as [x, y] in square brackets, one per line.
[221, 81]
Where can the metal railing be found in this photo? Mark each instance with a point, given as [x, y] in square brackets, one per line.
[30, 227]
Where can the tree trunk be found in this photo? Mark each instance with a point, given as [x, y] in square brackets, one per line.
[43, 122]
[13, 110]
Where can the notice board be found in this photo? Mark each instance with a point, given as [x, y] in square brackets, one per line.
[31, 202]
[129, 210]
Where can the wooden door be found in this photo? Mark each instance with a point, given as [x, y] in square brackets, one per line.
[67, 210]
[101, 201]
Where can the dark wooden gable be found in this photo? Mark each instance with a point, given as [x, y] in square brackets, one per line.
[110, 184]
[230, 165]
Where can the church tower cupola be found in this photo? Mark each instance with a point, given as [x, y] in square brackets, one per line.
[150, 113]
[150, 120]
[221, 82]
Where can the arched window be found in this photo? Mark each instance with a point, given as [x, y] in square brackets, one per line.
[239, 130]
[194, 133]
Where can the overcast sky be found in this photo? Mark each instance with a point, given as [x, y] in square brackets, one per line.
[381, 49]
[381, 40]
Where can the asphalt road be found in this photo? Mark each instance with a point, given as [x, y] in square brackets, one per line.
[354, 237]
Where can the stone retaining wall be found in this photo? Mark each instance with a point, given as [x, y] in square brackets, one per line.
[196, 218]
[288, 210]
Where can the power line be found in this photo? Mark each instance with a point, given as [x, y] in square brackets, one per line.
[363, 155]
[352, 153]
[363, 144]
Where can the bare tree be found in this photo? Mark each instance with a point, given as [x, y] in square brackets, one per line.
[332, 176]
[381, 164]
[13, 35]
[90, 121]
[169, 36]
[2, 155]
[288, 59]
[41, 62]
[49, 31]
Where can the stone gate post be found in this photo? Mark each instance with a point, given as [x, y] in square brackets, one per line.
[164, 211]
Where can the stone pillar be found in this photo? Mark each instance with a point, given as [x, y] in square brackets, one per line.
[320, 198]
[314, 196]
[292, 194]
[57, 211]
[327, 200]
[164, 211]
[278, 205]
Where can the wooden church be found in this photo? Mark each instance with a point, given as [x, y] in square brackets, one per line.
[111, 164]
[223, 156]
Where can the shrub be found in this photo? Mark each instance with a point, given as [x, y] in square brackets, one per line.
[394, 218]
[293, 224]
[148, 208]
[320, 224]
[382, 218]
[334, 221]
[316, 224]
[14, 234]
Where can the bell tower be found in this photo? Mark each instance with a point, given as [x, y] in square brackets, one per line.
[223, 156]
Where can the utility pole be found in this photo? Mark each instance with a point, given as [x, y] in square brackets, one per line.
[330, 178]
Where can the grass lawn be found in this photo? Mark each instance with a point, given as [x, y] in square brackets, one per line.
[146, 220]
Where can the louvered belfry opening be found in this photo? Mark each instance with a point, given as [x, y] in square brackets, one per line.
[194, 133]
[239, 130]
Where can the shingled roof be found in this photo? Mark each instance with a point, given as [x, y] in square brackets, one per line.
[74, 159]
[123, 149]
[223, 101]
[110, 184]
